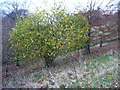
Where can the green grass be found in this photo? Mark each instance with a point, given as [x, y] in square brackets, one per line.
[105, 81]
[108, 79]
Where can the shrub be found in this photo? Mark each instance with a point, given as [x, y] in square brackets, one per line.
[46, 35]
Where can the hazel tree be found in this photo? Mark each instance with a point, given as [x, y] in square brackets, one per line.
[47, 35]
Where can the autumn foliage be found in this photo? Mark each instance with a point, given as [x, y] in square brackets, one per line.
[47, 35]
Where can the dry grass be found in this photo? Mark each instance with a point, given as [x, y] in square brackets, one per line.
[65, 64]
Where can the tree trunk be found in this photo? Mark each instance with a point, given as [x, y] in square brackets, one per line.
[17, 63]
[118, 27]
[87, 48]
[6, 70]
[101, 42]
[49, 61]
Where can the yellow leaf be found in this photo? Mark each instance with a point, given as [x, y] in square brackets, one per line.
[63, 47]
[110, 78]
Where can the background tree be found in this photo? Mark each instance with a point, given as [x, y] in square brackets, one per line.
[11, 10]
[94, 11]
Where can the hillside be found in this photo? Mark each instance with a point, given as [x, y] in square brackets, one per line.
[70, 71]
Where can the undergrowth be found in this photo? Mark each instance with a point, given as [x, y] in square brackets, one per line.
[102, 74]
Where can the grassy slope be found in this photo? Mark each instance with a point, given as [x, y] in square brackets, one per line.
[99, 72]
[103, 73]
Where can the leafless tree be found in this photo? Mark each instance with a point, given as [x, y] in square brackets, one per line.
[10, 11]
[94, 11]
[13, 7]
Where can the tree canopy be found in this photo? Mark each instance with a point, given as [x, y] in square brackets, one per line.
[46, 35]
